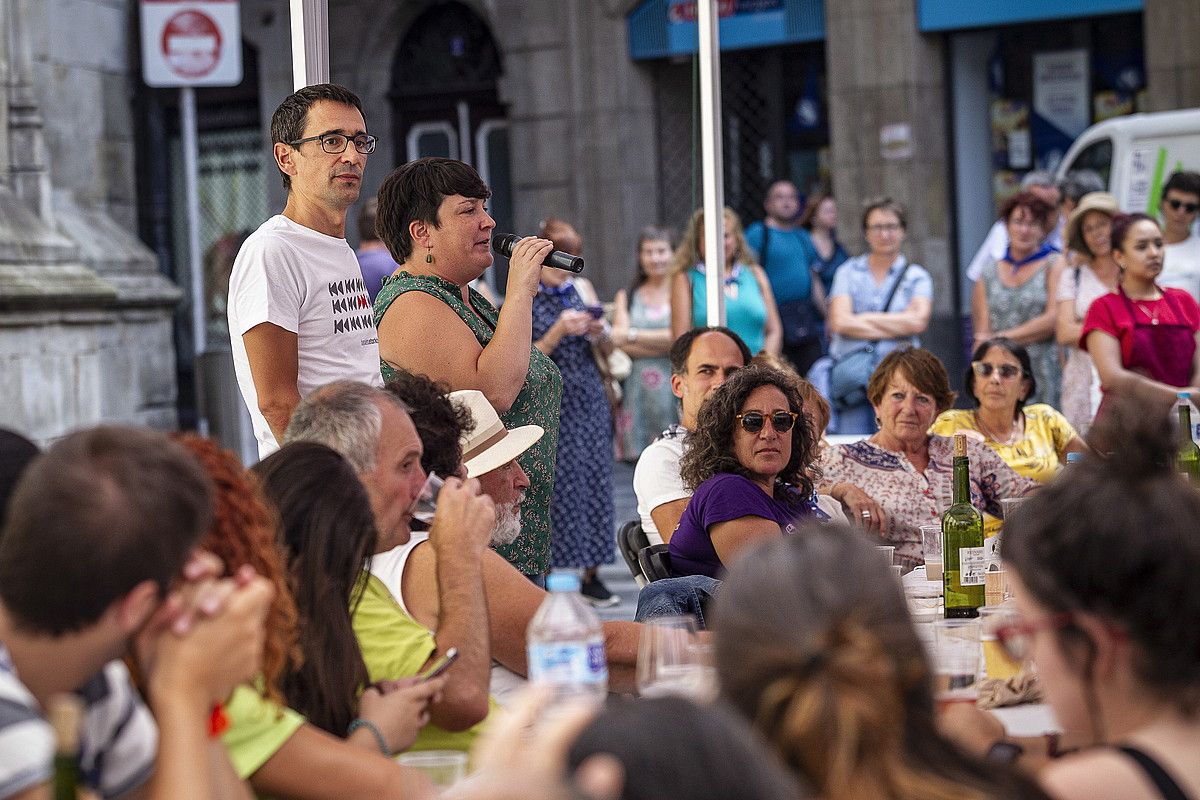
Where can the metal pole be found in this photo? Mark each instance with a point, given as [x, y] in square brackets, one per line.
[191, 210]
[712, 168]
[310, 42]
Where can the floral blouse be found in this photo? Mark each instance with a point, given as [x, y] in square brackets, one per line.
[912, 499]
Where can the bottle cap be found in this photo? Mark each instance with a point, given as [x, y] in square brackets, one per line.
[1074, 458]
[563, 582]
[960, 445]
[1184, 395]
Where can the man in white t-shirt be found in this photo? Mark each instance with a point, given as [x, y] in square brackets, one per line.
[1179, 206]
[299, 313]
[701, 360]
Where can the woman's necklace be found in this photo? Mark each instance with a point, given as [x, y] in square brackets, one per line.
[1151, 314]
[1012, 430]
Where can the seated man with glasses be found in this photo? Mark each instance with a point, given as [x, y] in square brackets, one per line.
[747, 464]
[299, 313]
[1179, 206]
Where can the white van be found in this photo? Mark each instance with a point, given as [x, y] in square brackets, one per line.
[1135, 154]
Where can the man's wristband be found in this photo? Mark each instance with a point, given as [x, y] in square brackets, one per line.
[359, 722]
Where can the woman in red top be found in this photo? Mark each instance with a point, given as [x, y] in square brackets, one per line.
[1142, 338]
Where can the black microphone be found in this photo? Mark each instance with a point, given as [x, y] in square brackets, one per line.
[503, 243]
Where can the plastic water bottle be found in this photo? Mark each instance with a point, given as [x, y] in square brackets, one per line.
[566, 643]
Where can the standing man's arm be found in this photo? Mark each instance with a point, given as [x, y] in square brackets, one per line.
[273, 353]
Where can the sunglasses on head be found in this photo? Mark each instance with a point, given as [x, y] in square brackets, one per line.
[985, 370]
[1190, 208]
[753, 421]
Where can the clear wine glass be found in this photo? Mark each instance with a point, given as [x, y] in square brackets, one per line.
[425, 506]
[672, 661]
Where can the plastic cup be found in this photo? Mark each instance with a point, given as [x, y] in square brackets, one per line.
[425, 506]
[1009, 505]
[443, 768]
[887, 552]
[931, 546]
[996, 663]
[956, 659]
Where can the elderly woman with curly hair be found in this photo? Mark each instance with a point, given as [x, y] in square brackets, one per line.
[747, 466]
[907, 470]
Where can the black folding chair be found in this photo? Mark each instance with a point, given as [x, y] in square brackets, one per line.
[630, 541]
[655, 562]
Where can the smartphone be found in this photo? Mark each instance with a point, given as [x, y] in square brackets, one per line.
[440, 666]
[597, 311]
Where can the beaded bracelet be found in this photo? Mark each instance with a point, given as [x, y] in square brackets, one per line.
[359, 722]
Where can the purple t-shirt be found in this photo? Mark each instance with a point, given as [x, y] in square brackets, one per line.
[375, 266]
[721, 498]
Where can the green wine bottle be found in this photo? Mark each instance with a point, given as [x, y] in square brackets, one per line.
[1187, 460]
[65, 712]
[962, 543]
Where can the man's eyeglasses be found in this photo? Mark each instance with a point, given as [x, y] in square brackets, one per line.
[1190, 208]
[1016, 638]
[334, 143]
[985, 370]
[753, 421]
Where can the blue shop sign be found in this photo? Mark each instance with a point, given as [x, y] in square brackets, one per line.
[953, 15]
[661, 28]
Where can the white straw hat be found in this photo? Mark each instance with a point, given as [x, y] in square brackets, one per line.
[489, 445]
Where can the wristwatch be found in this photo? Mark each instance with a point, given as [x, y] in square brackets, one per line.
[1004, 752]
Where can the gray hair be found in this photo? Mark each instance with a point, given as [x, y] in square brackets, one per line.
[1076, 183]
[344, 416]
[1038, 177]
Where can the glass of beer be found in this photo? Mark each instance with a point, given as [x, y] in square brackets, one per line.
[996, 662]
[931, 545]
[956, 661]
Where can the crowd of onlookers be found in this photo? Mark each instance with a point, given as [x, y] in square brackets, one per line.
[427, 458]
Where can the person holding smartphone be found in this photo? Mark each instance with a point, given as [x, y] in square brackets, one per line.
[569, 326]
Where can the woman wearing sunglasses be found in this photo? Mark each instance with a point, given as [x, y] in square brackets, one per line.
[746, 463]
[1106, 567]
[1032, 439]
[906, 469]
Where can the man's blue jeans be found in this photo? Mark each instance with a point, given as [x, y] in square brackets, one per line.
[673, 596]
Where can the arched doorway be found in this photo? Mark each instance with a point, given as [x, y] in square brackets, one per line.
[445, 102]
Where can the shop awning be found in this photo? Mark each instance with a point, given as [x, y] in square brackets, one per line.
[953, 15]
[662, 28]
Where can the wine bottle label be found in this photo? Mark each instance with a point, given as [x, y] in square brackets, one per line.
[972, 563]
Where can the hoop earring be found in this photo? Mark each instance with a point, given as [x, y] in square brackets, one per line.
[429, 255]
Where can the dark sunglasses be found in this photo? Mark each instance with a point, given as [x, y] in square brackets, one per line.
[753, 421]
[985, 370]
[1190, 208]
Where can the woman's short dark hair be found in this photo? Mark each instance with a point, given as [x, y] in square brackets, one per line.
[710, 445]
[415, 191]
[673, 749]
[923, 369]
[1014, 349]
[1116, 538]
[815, 646]
[1123, 223]
[1039, 209]
[439, 421]
[884, 204]
[327, 532]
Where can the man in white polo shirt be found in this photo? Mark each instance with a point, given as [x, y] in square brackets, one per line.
[299, 313]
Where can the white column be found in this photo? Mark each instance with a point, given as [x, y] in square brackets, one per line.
[310, 42]
[712, 168]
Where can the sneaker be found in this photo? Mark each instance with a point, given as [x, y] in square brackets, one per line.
[597, 594]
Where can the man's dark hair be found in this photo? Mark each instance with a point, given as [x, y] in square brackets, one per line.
[16, 452]
[439, 421]
[100, 512]
[366, 220]
[1182, 181]
[415, 191]
[288, 121]
[681, 349]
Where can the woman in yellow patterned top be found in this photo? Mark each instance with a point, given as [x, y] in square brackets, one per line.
[1034, 440]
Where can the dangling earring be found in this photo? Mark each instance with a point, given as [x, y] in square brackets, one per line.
[429, 255]
[878, 422]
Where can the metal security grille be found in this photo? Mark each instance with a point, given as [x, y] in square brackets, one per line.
[233, 202]
[752, 133]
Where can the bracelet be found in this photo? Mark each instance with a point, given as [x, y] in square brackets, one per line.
[359, 722]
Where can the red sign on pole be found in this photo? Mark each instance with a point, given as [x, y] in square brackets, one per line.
[194, 43]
